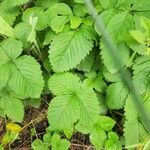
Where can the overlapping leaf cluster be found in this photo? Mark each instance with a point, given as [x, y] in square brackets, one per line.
[54, 47]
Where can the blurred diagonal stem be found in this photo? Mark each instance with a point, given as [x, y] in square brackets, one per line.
[124, 73]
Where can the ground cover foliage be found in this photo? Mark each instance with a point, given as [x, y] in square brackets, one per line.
[53, 49]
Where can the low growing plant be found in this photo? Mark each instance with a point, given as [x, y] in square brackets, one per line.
[54, 47]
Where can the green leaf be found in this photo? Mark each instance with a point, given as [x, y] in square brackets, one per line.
[87, 63]
[5, 28]
[141, 76]
[98, 138]
[11, 48]
[111, 77]
[8, 14]
[48, 37]
[25, 75]
[46, 3]
[106, 123]
[26, 79]
[145, 23]
[22, 31]
[63, 145]
[105, 16]
[33, 102]
[58, 143]
[131, 124]
[89, 106]
[38, 145]
[47, 137]
[119, 26]
[60, 83]
[58, 23]
[80, 1]
[71, 97]
[116, 95]
[63, 111]
[5, 69]
[13, 3]
[95, 80]
[136, 46]
[83, 128]
[68, 49]
[138, 36]
[108, 61]
[113, 142]
[43, 18]
[16, 113]
[69, 132]
[74, 22]
[60, 9]
[79, 10]
[104, 3]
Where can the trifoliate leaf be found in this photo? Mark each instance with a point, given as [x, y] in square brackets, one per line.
[69, 48]
[25, 75]
[58, 23]
[5, 28]
[73, 97]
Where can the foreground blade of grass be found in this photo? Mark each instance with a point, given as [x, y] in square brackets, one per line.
[124, 73]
